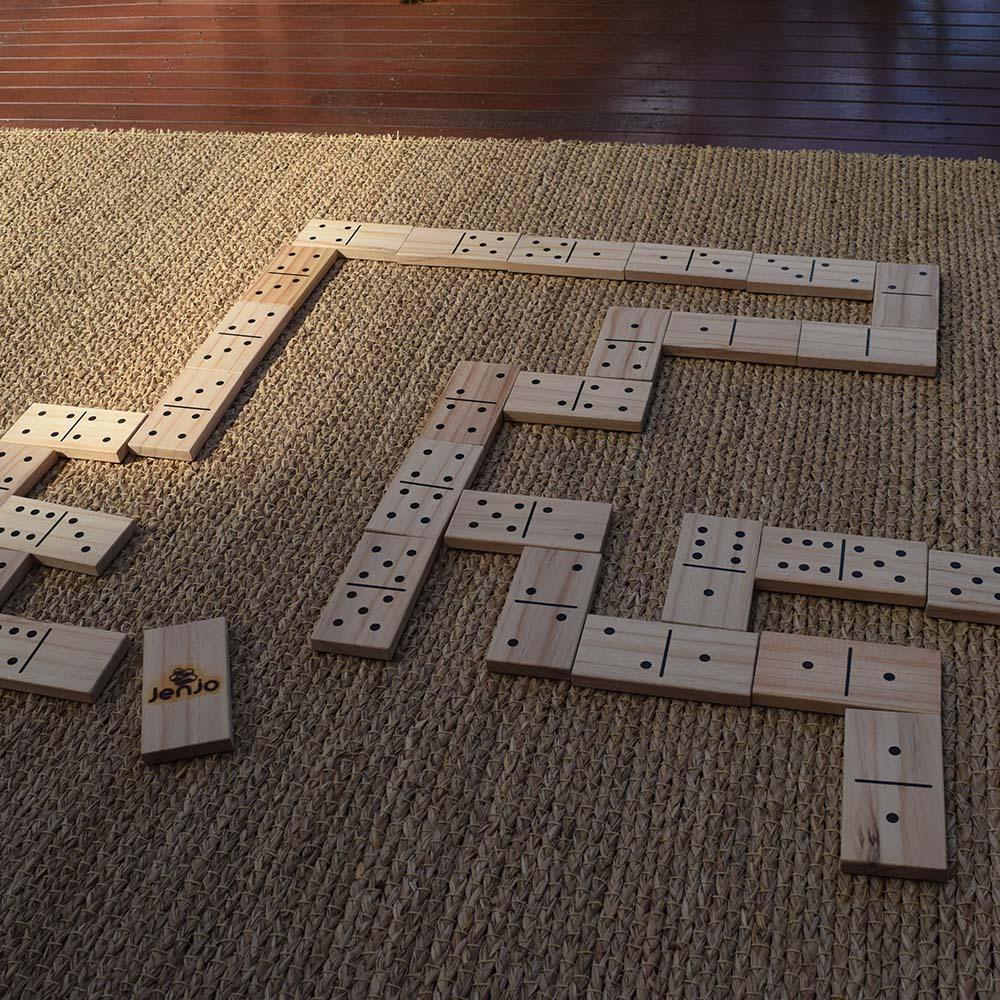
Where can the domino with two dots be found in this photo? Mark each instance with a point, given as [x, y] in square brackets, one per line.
[630, 344]
[682, 265]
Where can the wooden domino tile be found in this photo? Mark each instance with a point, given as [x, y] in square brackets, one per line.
[370, 605]
[609, 404]
[712, 579]
[907, 296]
[813, 674]
[76, 432]
[674, 661]
[963, 587]
[853, 567]
[784, 274]
[457, 248]
[572, 258]
[287, 290]
[502, 522]
[355, 240]
[893, 813]
[629, 344]
[64, 537]
[732, 338]
[186, 699]
[539, 628]
[183, 420]
[304, 261]
[61, 661]
[868, 349]
[21, 467]
[14, 567]
[425, 490]
[470, 409]
[230, 354]
[254, 319]
[680, 265]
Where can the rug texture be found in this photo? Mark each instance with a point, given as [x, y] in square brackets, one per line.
[422, 828]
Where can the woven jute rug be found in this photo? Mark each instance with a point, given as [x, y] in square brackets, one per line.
[422, 828]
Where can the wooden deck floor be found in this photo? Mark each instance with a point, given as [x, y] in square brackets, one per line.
[921, 76]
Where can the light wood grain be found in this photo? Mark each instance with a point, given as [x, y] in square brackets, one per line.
[227, 353]
[74, 431]
[712, 579]
[14, 566]
[375, 595]
[457, 248]
[853, 567]
[287, 290]
[502, 522]
[470, 410]
[963, 587]
[732, 338]
[629, 344]
[64, 537]
[424, 492]
[539, 628]
[561, 255]
[355, 240]
[304, 261]
[682, 265]
[816, 674]
[60, 661]
[893, 812]
[254, 319]
[608, 404]
[186, 693]
[21, 467]
[907, 296]
[868, 349]
[787, 274]
[674, 661]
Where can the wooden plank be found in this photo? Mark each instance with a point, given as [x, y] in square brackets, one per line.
[14, 567]
[355, 240]
[963, 587]
[542, 619]
[853, 567]
[373, 599]
[191, 408]
[505, 522]
[457, 248]
[786, 274]
[712, 579]
[253, 319]
[629, 344]
[868, 349]
[732, 338]
[424, 492]
[673, 661]
[893, 813]
[608, 404]
[561, 255]
[470, 409]
[65, 537]
[59, 661]
[907, 296]
[75, 432]
[21, 467]
[683, 265]
[186, 697]
[304, 261]
[814, 674]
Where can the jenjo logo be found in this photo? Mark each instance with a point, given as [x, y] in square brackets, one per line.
[185, 681]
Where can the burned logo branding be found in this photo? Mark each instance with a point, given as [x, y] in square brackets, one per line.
[184, 682]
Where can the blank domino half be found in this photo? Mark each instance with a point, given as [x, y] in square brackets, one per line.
[561, 255]
[14, 567]
[963, 587]
[470, 410]
[907, 296]
[608, 404]
[786, 274]
[21, 467]
[712, 579]
[680, 265]
[503, 522]
[373, 599]
[629, 344]
[675, 661]
[853, 567]
[75, 432]
[61, 661]
[539, 628]
[186, 700]
[830, 675]
[732, 338]
[64, 537]
[355, 240]
[868, 349]
[457, 248]
[892, 811]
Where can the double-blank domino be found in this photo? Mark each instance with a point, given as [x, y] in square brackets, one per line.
[868, 349]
